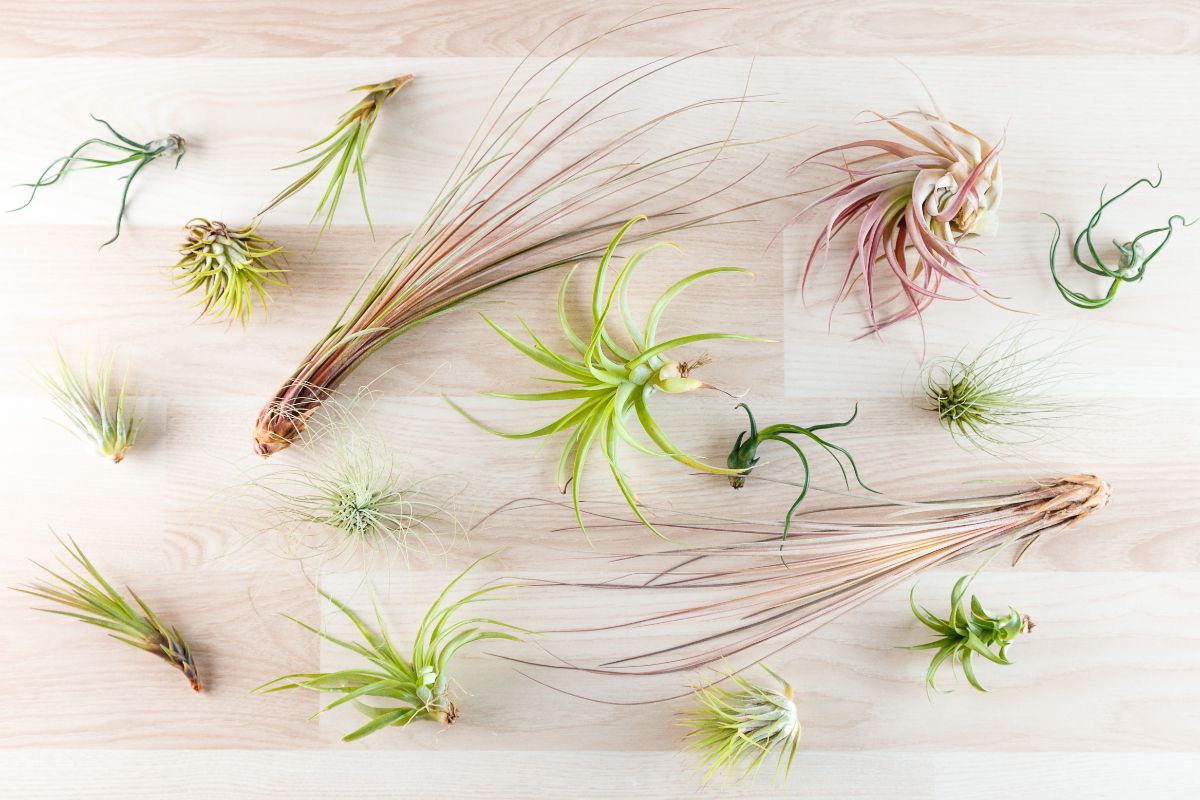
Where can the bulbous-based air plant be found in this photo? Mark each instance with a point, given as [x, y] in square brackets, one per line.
[229, 267]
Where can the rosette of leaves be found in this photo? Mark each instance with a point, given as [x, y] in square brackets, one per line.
[228, 267]
[95, 406]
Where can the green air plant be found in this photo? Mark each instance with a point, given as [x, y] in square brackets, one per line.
[734, 730]
[968, 633]
[90, 598]
[123, 151]
[414, 687]
[744, 455]
[612, 380]
[342, 152]
[228, 267]
[95, 406]
[1133, 258]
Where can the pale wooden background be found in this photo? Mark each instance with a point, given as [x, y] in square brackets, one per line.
[1104, 700]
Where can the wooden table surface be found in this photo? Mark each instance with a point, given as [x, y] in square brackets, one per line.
[1103, 700]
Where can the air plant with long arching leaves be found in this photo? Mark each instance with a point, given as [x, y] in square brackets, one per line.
[967, 633]
[515, 204]
[734, 730]
[612, 381]
[415, 686]
[95, 406]
[744, 455]
[910, 204]
[229, 267]
[90, 598]
[1132, 256]
[127, 152]
[343, 150]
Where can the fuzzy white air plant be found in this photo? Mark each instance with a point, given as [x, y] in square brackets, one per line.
[910, 203]
[229, 267]
[94, 405]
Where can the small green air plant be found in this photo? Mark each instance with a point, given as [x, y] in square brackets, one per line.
[91, 599]
[967, 633]
[1133, 257]
[734, 730]
[611, 380]
[415, 687]
[95, 406]
[744, 455]
[343, 149]
[126, 150]
[228, 267]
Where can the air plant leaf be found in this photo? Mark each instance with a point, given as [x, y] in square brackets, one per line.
[95, 406]
[911, 203]
[612, 381]
[734, 730]
[229, 267]
[82, 592]
[120, 150]
[341, 152]
[966, 632]
[412, 688]
[1132, 260]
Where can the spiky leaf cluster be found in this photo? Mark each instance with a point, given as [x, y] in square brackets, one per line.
[228, 267]
[95, 406]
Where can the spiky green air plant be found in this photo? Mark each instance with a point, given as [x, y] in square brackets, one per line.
[412, 687]
[735, 730]
[228, 267]
[968, 632]
[1132, 255]
[613, 381]
[342, 152]
[95, 406]
[122, 151]
[744, 455]
[90, 598]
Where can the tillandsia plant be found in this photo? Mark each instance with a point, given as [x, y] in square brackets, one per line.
[968, 632]
[88, 597]
[95, 406]
[612, 381]
[229, 267]
[744, 455]
[734, 730]
[517, 203]
[414, 687]
[342, 151]
[911, 203]
[122, 151]
[1132, 256]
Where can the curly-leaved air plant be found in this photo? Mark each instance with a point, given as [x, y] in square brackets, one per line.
[411, 687]
[1132, 255]
[229, 267]
[123, 151]
[95, 406]
[967, 632]
[343, 150]
[90, 598]
[734, 730]
[528, 194]
[910, 204]
[613, 381]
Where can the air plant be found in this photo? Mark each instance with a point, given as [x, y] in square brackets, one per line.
[90, 598]
[967, 633]
[613, 381]
[343, 151]
[744, 455]
[734, 730]
[414, 687]
[911, 203]
[516, 203]
[122, 151]
[229, 267]
[95, 406]
[1132, 256]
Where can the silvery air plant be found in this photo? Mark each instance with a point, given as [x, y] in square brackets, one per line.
[228, 267]
[95, 406]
